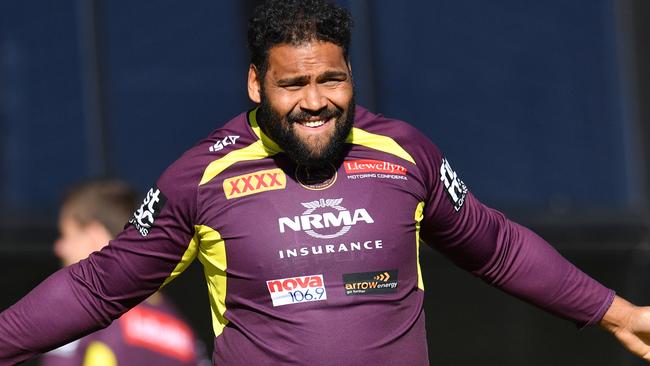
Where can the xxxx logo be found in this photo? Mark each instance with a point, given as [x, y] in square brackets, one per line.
[256, 182]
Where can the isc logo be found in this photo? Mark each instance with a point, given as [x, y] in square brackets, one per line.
[219, 145]
[256, 182]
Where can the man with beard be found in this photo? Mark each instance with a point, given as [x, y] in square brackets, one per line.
[307, 215]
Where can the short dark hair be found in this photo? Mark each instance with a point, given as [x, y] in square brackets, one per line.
[110, 202]
[296, 22]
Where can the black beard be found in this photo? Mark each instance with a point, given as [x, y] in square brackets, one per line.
[280, 130]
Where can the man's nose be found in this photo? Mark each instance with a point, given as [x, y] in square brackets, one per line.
[313, 100]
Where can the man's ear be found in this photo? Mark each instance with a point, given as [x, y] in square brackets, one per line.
[254, 85]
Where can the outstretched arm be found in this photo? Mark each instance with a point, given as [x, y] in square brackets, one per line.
[631, 325]
[156, 246]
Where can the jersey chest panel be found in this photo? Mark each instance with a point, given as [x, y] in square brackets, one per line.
[276, 226]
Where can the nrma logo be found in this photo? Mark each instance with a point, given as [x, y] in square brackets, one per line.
[321, 216]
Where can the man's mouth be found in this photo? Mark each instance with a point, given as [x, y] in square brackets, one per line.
[315, 122]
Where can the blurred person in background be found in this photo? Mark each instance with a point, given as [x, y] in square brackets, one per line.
[152, 333]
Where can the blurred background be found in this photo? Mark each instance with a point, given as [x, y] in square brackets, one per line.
[543, 108]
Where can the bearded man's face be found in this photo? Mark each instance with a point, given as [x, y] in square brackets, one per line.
[306, 101]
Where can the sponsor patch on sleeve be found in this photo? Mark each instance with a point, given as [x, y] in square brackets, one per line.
[295, 290]
[145, 216]
[455, 188]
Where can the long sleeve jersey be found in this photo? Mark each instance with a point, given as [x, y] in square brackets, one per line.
[303, 265]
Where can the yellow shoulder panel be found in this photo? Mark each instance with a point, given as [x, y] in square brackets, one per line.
[252, 117]
[265, 147]
[254, 151]
[378, 142]
[260, 149]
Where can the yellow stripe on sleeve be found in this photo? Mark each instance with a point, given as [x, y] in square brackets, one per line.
[212, 254]
[186, 260]
[419, 214]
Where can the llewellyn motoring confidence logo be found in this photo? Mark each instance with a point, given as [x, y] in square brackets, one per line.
[364, 169]
[369, 283]
[373, 166]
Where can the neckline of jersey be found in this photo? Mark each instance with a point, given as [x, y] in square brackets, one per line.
[257, 130]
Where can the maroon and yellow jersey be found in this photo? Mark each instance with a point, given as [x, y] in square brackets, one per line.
[304, 266]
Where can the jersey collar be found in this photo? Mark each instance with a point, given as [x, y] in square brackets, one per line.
[268, 143]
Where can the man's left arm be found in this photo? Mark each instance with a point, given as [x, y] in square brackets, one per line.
[518, 261]
[484, 242]
[513, 258]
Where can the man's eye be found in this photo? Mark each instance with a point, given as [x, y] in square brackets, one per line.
[332, 82]
[292, 87]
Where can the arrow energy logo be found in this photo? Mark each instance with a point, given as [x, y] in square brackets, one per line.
[369, 283]
[384, 277]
